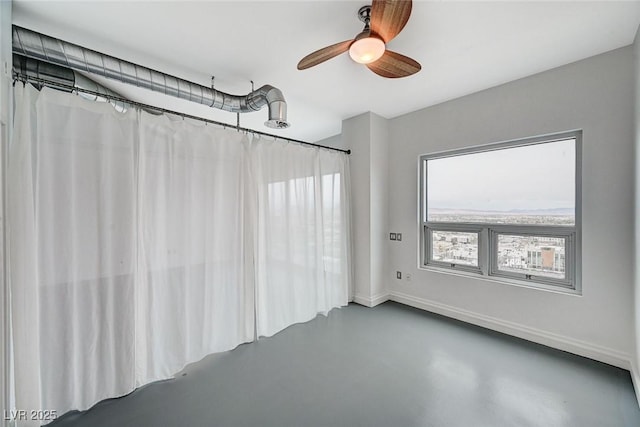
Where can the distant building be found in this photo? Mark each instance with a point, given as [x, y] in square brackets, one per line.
[549, 258]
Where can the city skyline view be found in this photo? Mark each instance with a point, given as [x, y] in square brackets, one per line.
[520, 254]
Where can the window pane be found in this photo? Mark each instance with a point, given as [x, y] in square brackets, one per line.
[532, 184]
[541, 256]
[455, 247]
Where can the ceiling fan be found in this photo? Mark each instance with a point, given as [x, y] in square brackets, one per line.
[383, 20]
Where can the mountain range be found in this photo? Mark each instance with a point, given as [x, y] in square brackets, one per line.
[552, 211]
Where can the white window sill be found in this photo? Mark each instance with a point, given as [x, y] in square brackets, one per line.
[502, 280]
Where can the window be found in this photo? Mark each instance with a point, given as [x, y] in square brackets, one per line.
[509, 211]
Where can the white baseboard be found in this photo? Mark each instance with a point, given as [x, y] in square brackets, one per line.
[371, 301]
[571, 345]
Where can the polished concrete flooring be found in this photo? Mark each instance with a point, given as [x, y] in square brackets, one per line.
[389, 366]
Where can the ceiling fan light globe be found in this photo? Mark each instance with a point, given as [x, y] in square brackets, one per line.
[366, 50]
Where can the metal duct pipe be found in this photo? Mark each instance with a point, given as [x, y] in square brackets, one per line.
[39, 46]
[66, 79]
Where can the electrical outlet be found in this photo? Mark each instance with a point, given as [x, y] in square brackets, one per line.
[392, 236]
[407, 277]
[398, 275]
[398, 236]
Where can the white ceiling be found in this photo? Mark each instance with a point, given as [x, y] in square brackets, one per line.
[464, 47]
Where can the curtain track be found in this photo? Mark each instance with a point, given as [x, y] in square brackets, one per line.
[55, 85]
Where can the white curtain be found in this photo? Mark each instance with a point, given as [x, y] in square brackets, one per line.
[141, 243]
[302, 249]
[193, 296]
[72, 255]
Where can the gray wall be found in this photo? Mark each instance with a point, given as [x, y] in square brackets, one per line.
[636, 356]
[5, 120]
[594, 95]
[367, 135]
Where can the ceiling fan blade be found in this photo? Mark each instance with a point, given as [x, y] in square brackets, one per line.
[319, 56]
[393, 65]
[388, 17]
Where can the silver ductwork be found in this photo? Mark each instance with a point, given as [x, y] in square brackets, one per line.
[44, 48]
[67, 79]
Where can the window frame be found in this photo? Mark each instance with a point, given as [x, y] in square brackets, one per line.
[488, 232]
[537, 231]
[454, 228]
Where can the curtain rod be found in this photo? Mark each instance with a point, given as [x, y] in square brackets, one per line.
[56, 85]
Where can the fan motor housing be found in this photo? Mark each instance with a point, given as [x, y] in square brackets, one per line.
[364, 14]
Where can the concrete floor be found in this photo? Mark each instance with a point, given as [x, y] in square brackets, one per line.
[390, 366]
